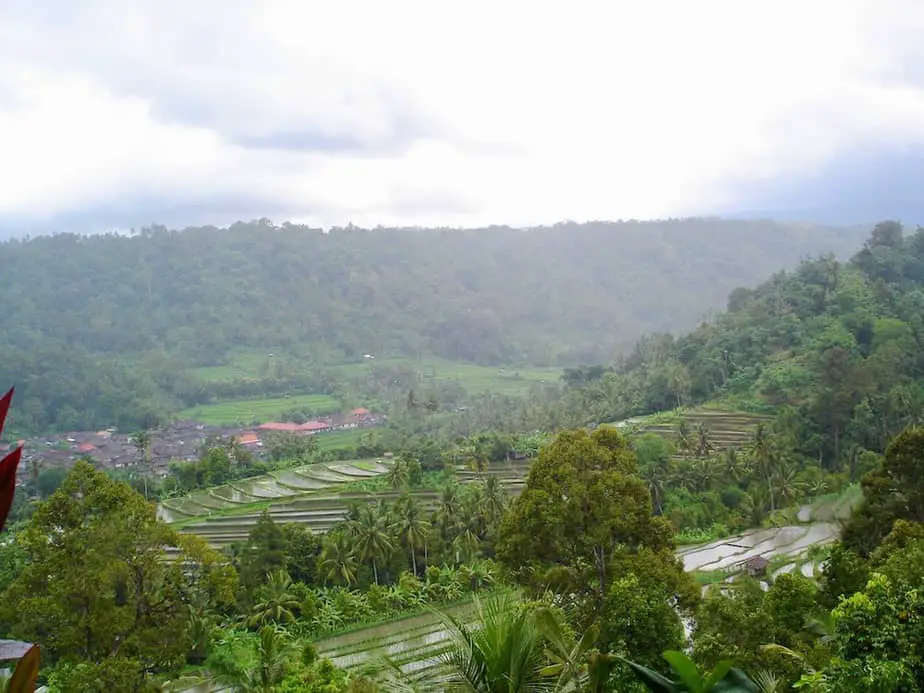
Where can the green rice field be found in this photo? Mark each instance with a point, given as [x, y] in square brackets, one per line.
[243, 364]
[475, 379]
[340, 440]
[316, 496]
[248, 411]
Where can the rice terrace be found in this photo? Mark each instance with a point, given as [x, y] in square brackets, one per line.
[318, 496]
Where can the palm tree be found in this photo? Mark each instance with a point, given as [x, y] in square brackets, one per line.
[577, 666]
[277, 603]
[494, 497]
[142, 442]
[412, 528]
[338, 564]
[399, 474]
[274, 650]
[764, 456]
[199, 636]
[448, 510]
[479, 574]
[703, 446]
[501, 651]
[787, 487]
[734, 467]
[372, 536]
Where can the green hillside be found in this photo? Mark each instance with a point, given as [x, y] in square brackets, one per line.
[835, 348]
[125, 331]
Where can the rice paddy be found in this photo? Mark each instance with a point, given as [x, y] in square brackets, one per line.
[316, 496]
[247, 411]
[509, 380]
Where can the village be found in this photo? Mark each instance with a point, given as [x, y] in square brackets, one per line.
[110, 449]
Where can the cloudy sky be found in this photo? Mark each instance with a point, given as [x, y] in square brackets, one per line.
[116, 114]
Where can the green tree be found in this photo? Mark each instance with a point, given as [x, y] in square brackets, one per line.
[893, 491]
[264, 552]
[413, 529]
[723, 679]
[373, 536]
[96, 587]
[337, 561]
[301, 553]
[581, 503]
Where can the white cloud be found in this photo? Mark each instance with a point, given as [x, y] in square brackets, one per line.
[441, 113]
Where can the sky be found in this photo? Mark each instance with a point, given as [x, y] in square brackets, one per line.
[119, 114]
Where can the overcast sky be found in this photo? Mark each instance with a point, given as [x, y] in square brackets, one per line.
[443, 112]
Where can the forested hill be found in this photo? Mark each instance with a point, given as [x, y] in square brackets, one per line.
[568, 293]
[838, 348]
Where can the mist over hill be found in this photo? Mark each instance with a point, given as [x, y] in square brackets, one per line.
[107, 326]
[560, 294]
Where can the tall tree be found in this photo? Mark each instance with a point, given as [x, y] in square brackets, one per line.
[142, 443]
[582, 502]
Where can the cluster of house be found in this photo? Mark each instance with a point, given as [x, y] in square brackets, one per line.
[179, 441]
[354, 419]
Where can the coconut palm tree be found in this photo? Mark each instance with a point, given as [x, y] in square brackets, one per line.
[495, 499]
[274, 650]
[337, 561]
[479, 574]
[576, 665]
[786, 485]
[277, 603]
[142, 442]
[399, 475]
[412, 528]
[373, 534]
[501, 651]
[765, 460]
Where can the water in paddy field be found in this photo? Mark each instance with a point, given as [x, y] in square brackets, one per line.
[776, 541]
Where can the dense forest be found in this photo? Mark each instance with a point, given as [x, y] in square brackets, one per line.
[107, 326]
[837, 349]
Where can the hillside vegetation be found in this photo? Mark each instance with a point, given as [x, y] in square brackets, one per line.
[108, 328]
[837, 349]
[782, 422]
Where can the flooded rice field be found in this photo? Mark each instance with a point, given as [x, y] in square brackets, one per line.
[791, 541]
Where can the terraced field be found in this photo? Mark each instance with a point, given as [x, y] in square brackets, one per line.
[415, 644]
[317, 496]
[279, 487]
[726, 429]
